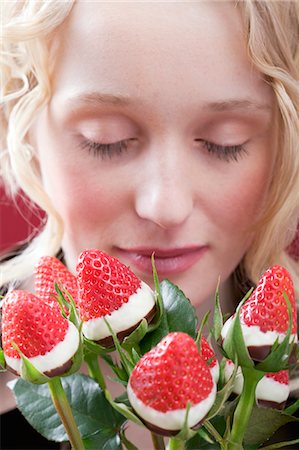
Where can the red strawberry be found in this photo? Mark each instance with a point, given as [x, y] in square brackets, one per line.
[42, 334]
[48, 270]
[264, 316]
[166, 379]
[272, 390]
[208, 355]
[109, 289]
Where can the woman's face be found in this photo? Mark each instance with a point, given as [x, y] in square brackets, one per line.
[158, 138]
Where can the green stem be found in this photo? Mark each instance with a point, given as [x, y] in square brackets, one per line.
[176, 444]
[94, 370]
[158, 441]
[65, 413]
[243, 410]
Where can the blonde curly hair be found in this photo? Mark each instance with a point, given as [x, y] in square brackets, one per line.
[27, 61]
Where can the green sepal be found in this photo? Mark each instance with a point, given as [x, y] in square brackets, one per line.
[158, 299]
[199, 333]
[223, 395]
[2, 361]
[293, 408]
[278, 357]
[65, 299]
[93, 347]
[218, 316]
[186, 432]
[127, 363]
[205, 435]
[121, 374]
[123, 398]
[28, 371]
[135, 356]
[135, 337]
[128, 444]
[234, 344]
[31, 374]
[77, 360]
[123, 409]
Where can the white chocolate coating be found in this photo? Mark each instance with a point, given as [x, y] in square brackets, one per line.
[215, 372]
[56, 357]
[128, 315]
[172, 420]
[267, 388]
[254, 337]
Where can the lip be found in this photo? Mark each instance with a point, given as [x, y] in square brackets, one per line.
[167, 261]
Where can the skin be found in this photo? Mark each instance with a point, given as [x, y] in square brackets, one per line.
[171, 78]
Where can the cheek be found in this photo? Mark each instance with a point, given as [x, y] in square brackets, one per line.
[86, 205]
[241, 199]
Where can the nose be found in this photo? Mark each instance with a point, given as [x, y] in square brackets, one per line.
[165, 194]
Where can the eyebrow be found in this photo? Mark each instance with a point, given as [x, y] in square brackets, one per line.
[97, 99]
[238, 104]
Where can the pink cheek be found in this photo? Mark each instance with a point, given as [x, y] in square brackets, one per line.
[238, 207]
[86, 205]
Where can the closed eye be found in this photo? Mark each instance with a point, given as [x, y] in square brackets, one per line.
[106, 150]
[224, 152]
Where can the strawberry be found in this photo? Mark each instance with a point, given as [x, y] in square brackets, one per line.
[41, 333]
[166, 379]
[264, 316]
[272, 390]
[208, 355]
[109, 289]
[48, 270]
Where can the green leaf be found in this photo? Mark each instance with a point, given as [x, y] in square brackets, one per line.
[104, 440]
[179, 315]
[264, 422]
[92, 412]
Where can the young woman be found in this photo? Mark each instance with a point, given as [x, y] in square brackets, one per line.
[170, 127]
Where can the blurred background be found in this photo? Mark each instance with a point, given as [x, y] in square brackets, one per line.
[17, 220]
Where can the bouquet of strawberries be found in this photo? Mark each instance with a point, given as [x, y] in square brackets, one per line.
[225, 389]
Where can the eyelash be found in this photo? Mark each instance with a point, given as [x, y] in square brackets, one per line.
[106, 150]
[224, 152]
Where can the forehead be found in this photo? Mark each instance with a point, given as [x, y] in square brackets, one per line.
[139, 48]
